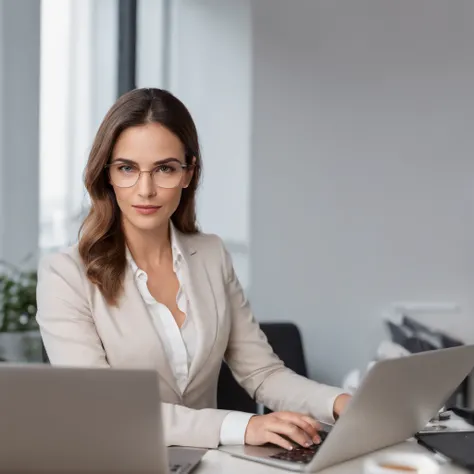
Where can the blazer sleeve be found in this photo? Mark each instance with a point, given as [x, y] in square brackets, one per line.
[70, 338]
[64, 317]
[258, 369]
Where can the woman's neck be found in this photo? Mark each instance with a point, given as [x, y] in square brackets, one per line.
[150, 249]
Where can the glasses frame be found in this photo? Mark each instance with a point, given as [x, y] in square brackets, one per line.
[184, 166]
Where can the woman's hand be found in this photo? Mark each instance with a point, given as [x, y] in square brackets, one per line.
[276, 427]
[340, 404]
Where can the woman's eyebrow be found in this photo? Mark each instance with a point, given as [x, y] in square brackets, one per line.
[124, 160]
[131, 162]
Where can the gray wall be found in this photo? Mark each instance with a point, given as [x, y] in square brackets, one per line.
[362, 169]
[210, 71]
[19, 142]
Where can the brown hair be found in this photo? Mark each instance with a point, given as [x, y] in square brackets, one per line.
[101, 238]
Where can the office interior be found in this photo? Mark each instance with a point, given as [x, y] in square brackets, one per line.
[337, 150]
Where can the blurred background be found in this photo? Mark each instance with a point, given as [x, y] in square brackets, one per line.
[337, 142]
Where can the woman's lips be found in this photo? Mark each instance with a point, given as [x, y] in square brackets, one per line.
[146, 210]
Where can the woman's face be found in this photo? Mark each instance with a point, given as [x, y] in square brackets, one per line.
[148, 200]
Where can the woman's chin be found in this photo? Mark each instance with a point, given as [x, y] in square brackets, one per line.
[148, 223]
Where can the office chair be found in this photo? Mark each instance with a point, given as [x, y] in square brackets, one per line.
[230, 395]
[285, 339]
[44, 354]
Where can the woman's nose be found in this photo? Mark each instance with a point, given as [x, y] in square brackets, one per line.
[146, 186]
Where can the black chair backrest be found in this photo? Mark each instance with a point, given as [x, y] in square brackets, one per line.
[44, 354]
[230, 395]
[285, 339]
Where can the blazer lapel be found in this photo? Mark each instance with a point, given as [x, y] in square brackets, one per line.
[202, 304]
[142, 338]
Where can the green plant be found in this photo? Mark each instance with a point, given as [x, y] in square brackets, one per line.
[17, 299]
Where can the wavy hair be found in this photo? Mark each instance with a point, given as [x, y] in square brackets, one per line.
[101, 238]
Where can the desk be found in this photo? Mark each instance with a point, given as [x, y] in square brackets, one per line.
[217, 462]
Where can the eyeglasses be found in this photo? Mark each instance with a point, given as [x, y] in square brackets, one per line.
[166, 175]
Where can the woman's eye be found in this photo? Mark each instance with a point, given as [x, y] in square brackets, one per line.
[126, 169]
[167, 169]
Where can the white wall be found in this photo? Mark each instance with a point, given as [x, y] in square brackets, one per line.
[210, 72]
[19, 110]
[362, 172]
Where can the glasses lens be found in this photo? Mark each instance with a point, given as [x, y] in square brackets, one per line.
[123, 176]
[168, 175]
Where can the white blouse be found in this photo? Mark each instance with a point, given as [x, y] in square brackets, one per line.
[180, 343]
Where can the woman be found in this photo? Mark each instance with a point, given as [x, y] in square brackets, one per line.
[144, 288]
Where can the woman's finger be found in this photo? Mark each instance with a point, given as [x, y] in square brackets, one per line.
[306, 423]
[274, 438]
[314, 423]
[291, 431]
[317, 427]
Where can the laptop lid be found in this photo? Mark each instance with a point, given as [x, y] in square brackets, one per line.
[80, 419]
[396, 399]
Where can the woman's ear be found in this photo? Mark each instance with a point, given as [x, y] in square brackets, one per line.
[189, 173]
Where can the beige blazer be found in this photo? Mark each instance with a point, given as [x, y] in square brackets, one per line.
[80, 329]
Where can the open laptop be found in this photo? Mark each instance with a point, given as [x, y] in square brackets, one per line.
[58, 419]
[396, 399]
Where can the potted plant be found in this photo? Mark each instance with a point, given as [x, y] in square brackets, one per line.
[20, 340]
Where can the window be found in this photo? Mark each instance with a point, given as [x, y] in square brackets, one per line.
[78, 85]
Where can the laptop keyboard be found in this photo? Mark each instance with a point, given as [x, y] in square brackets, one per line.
[299, 454]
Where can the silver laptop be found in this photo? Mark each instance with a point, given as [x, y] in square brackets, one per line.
[396, 399]
[57, 419]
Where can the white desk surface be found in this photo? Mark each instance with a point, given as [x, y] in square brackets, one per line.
[217, 462]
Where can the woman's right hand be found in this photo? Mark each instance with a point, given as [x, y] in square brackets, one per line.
[280, 427]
